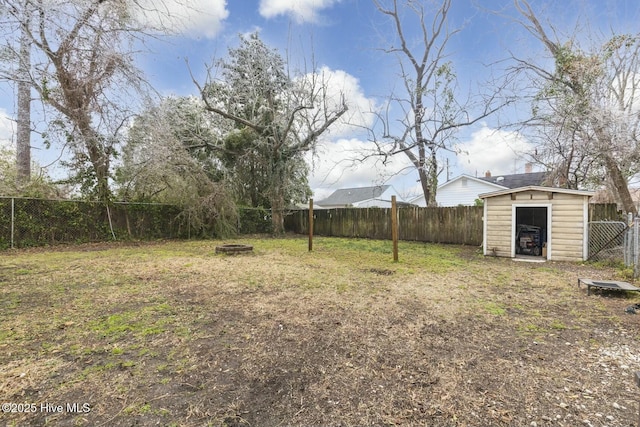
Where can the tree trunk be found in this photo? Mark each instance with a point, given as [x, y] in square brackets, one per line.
[620, 184]
[277, 209]
[433, 178]
[97, 156]
[23, 131]
[424, 183]
[618, 180]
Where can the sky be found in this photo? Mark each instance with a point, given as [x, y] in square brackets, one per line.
[344, 39]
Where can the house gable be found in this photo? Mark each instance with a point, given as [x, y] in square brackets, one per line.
[461, 190]
[358, 197]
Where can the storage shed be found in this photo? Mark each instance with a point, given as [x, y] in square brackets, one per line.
[550, 223]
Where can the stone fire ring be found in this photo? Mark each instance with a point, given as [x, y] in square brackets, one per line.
[233, 249]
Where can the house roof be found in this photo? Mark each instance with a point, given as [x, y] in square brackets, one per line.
[518, 179]
[349, 196]
[472, 178]
[536, 188]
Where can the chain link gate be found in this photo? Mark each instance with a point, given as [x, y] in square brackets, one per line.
[616, 241]
[607, 240]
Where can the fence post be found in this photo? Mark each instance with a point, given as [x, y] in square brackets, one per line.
[628, 245]
[635, 248]
[394, 227]
[13, 219]
[310, 225]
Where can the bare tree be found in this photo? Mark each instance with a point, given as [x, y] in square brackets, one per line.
[81, 65]
[15, 54]
[284, 116]
[82, 61]
[23, 128]
[431, 110]
[591, 99]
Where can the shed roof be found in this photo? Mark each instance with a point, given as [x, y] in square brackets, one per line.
[349, 196]
[536, 188]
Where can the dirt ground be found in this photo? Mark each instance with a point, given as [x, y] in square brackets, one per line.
[173, 334]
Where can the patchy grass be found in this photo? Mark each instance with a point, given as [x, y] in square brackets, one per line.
[172, 334]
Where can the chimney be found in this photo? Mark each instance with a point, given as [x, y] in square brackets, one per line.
[487, 174]
[528, 167]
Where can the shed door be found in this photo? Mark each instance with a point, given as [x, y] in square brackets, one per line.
[531, 230]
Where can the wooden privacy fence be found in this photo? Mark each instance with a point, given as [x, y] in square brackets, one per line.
[460, 225]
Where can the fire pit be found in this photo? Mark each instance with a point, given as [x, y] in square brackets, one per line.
[233, 249]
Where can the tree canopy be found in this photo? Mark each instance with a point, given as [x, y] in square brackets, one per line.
[277, 118]
[586, 108]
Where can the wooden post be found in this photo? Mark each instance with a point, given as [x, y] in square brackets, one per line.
[637, 377]
[394, 227]
[310, 225]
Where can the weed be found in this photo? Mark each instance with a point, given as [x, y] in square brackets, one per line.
[557, 325]
[494, 308]
[115, 325]
[137, 409]
[531, 328]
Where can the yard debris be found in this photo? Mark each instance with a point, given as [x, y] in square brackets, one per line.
[632, 309]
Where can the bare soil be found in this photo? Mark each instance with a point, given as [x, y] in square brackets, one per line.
[173, 334]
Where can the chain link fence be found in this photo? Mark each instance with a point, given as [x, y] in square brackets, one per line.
[27, 222]
[616, 241]
[632, 247]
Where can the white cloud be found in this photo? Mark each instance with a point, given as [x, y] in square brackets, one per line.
[195, 18]
[6, 130]
[343, 158]
[348, 163]
[298, 10]
[340, 85]
[493, 150]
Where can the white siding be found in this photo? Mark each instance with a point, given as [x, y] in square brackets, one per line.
[373, 203]
[462, 191]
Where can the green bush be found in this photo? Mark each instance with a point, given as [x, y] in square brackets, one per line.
[254, 221]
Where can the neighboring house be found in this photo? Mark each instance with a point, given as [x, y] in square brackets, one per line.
[464, 189]
[461, 190]
[537, 179]
[360, 197]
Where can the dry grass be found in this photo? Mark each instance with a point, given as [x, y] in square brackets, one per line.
[172, 334]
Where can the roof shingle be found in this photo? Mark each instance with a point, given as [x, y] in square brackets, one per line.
[519, 179]
[349, 196]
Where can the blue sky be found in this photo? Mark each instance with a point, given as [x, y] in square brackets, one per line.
[345, 37]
